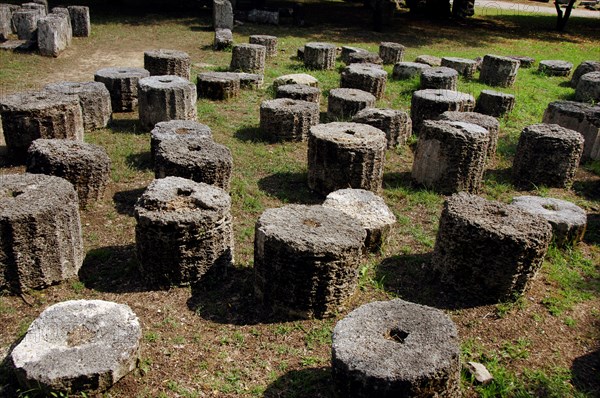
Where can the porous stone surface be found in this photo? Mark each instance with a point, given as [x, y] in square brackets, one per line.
[30, 115]
[450, 156]
[94, 99]
[319, 55]
[588, 88]
[248, 58]
[41, 232]
[439, 78]
[41, 9]
[122, 84]
[248, 80]
[176, 128]
[167, 62]
[498, 71]
[347, 50]
[430, 103]
[25, 21]
[408, 70]
[13, 8]
[296, 78]
[488, 251]
[524, 61]
[429, 60]
[364, 57]
[583, 118]
[365, 78]
[568, 220]
[396, 349]
[5, 22]
[391, 53]
[343, 103]
[299, 92]
[396, 124]
[164, 98]
[78, 345]
[286, 119]
[495, 103]
[464, 66]
[270, 43]
[489, 123]
[52, 35]
[582, 69]
[300, 53]
[64, 12]
[184, 228]
[223, 39]
[368, 209]
[84, 165]
[547, 154]
[306, 259]
[222, 14]
[345, 155]
[196, 158]
[80, 21]
[218, 85]
[263, 16]
[555, 67]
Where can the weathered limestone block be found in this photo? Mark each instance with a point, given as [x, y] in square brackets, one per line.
[450, 156]
[248, 80]
[80, 21]
[396, 124]
[430, 60]
[364, 57]
[365, 78]
[489, 123]
[176, 128]
[167, 62]
[25, 21]
[429, 104]
[369, 210]
[270, 43]
[184, 228]
[5, 22]
[568, 220]
[439, 78]
[296, 78]
[488, 251]
[319, 55]
[582, 69]
[40, 8]
[588, 88]
[408, 70]
[164, 98]
[343, 103]
[547, 154]
[64, 12]
[464, 66]
[391, 53]
[524, 62]
[263, 16]
[218, 85]
[43, 3]
[84, 165]
[306, 259]
[122, 84]
[495, 103]
[223, 39]
[396, 349]
[554, 67]
[196, 158]
[286, 119]
[40, 232]
[222, 14]
[345, 155]
[498, 71]
[300, 53]
[299, 92]
[78, 346]
[347, 50]
[30, 115]
[13, 8]
[52, 35]
[248, 58]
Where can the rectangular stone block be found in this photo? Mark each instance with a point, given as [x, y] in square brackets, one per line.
[52, 35]
[222, 14]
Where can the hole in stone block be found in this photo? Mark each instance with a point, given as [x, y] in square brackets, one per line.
[550, 206]
[184, 191]
[350, 132]
[14, 194]
[79, 336]
[165, 80]
[309, 222]
[396, 334]
[122, 71]
[194, 148]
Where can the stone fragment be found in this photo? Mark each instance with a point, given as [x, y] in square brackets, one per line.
[164, 98]
[122, 84]
[582, 69]
[80, 21]
[408, 70]
[430, 103]
[167, 62]
[223, 39]
[319, 55]
[343, 103]
[498, 71]
[479, 372]
[553, 67]
[396, 124]
[588, 88]
[391, 53]
[489, 123]
[286, 119]
[296, 78]
[429, 60]
[270, 43]
[176, 128]
[299, 92]
[495, 103]
[218, 85]
[441, 78]
[464, 66]
[222, 14]
[248, 58]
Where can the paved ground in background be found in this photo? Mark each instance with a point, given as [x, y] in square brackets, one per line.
[489, 7]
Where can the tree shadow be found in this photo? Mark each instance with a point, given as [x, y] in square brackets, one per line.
[289, 187]
[589, 189]
[125, 200]
[585, 373]
[125, 125]
[396, 180]
[499, 176]
[140, 161]
[592, 232]
[313, 382]
[251, 134]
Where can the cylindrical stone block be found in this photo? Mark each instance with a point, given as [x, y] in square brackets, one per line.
[365, 78]
[487, 122]
[248, 58]
[430, 60]
[218, 85]
[84, 165]
[495, 103]
[196, 158]
[299, 92]
[306, 259]
[286, 119]
[164, 98]
[524, 61]
[441, 78]
[319, 55]
[345, 155]
[270, 43]
[547, 154]
[347, 50]
[391, 53]
[40, 232]
[429, 104]
[488, 251]
[25, 21]
[176, 128]
[30, 115]
[396, 349]
[184, 228]
[498, 71]
[122, 84]
[450, 156]
[555, 67]
[80, 20]
[588, 88]
[223, 39]
[167, 62]
[464, 66]
[568, 220]
[396, 124]
[296, 78]
[343, 103]
[94, 99]
[364, 57]
[582, 69]
[408, 70]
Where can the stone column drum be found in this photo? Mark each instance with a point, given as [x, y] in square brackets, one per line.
[343, 103]
[408, 70]
[555, 67]
[306, 259]
[396, 124]
[391, 53]
[582, 69]
[429, 104]
[248, 58]
[285, 119]
[299, 92]
[176, 128]
[488, 251]
[270, 43]
[122, 84]
[218, 85]
[184, 228]
[464, 66]
[40, 232]
[498, 71]
[319, 55]
[167, 62]
[345, 155]
[366, 78]
[439, 78]
[487, 122]
[495, 103]
[164, 98]
[80, 20]
[588, 88]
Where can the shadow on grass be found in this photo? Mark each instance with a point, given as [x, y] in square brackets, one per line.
[289, 187]
[589, 189]
[585, 373]
[125, 126]
[592, 232]
[125, 200]
[499, 176]
[139, 161]
[251, 134]
[313, 382]
[398, 180]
